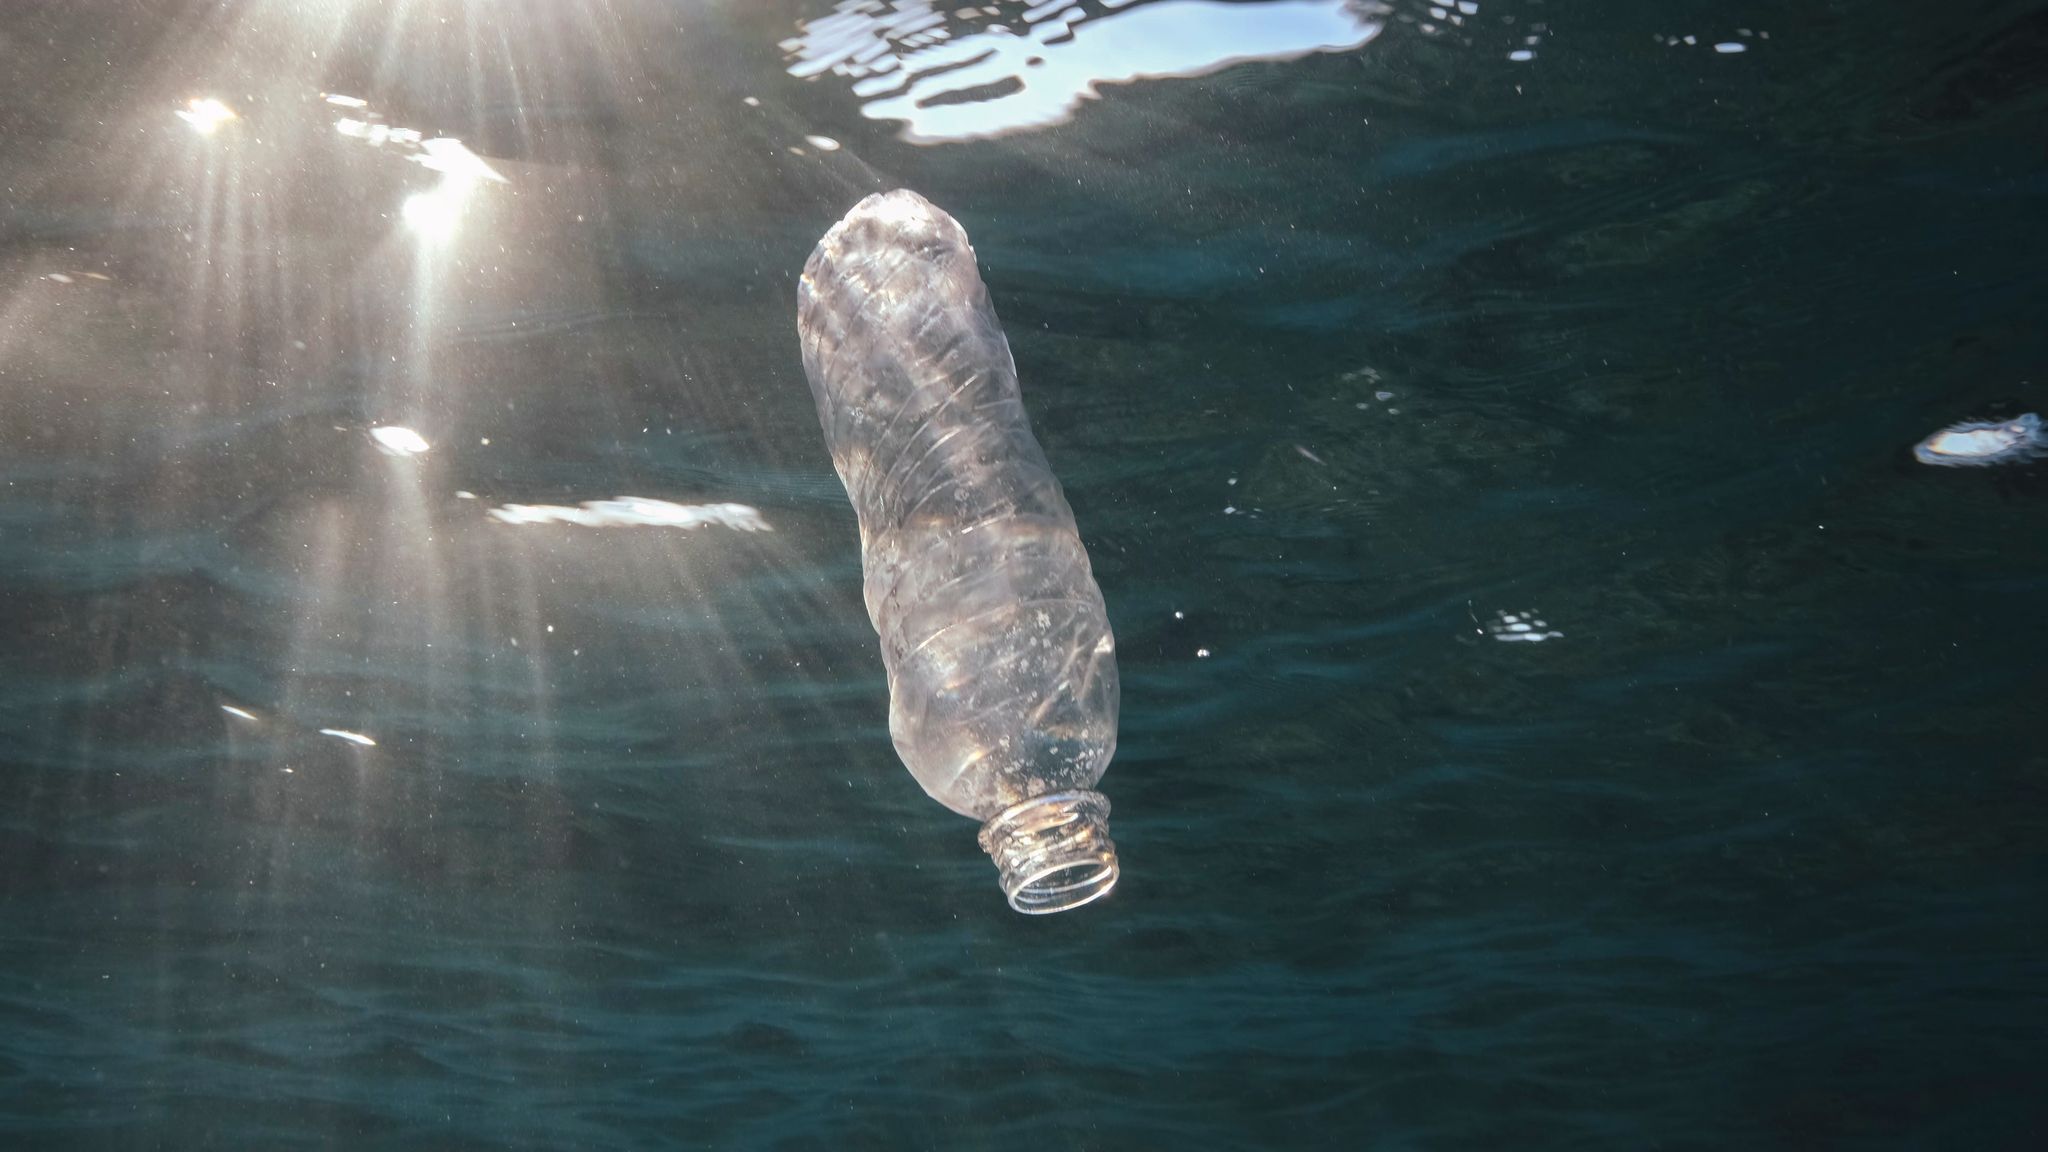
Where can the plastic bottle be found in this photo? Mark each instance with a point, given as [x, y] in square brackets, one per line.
[1002, 669]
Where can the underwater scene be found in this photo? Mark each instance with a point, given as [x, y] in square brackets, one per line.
[1086, 574]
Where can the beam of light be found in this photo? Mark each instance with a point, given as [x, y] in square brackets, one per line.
[435, 215]
[205, 115]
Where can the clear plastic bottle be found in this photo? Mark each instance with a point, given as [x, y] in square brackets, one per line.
[1002, 669]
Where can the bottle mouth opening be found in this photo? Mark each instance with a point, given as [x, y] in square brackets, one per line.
[1054, 851]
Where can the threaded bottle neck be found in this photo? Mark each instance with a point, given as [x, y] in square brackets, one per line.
[1054, 851]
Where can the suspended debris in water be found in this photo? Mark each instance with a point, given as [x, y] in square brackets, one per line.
[1980, 443]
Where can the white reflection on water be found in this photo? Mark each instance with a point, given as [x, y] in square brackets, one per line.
[351, 737]
[395, 440]
[997, 79]
[1523, 627]
[436, 213]
[635, 511]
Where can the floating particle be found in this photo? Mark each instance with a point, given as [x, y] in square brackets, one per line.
[1726, 47]
[823, 143]
[1201, 653]
[1981, 443]
[1521, 55]
[243, 713]
[1383, 397]
[1308, 455]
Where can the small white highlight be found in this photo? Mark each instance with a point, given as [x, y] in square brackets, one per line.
[1521, 55]
[822, 143]
[395, 440]
[1728, 46]
[1201, 653]
[340, 101]
[352, 737]
[242, 713]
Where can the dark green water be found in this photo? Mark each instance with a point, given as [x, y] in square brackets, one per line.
[1750, 856]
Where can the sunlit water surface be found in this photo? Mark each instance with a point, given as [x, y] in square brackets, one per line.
[437, 710]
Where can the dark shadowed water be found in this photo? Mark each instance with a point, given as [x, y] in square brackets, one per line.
[343, 805]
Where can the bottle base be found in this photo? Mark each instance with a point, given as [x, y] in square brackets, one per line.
[1054, 851]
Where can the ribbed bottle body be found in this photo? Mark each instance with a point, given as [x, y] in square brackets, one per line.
[1002, 667]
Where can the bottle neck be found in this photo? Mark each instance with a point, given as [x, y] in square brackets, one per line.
[1054, 851]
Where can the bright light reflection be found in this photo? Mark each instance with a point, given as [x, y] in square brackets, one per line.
[206, 115]
[436, 213]
[395, 440]
[351, 737]
[1000, 79]
[635, 511]
[449, 155]
[241, 713]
